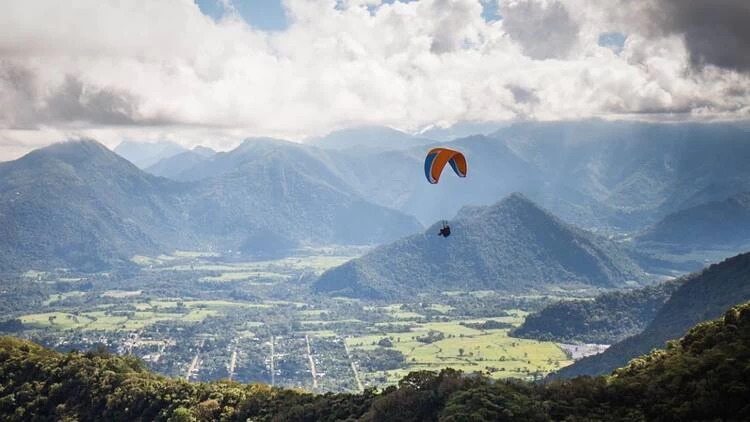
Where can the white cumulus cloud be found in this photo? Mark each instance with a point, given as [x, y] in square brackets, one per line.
[163, 70]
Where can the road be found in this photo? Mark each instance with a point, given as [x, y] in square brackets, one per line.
[312, 363]
[194, 364]
[354, 367]
[233, 363]
[273, 368]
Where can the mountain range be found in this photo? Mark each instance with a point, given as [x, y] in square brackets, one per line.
[611, 176]
[512, 246]
[702, 296]
[79, 204]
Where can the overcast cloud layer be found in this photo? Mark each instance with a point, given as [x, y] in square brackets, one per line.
[163, 70]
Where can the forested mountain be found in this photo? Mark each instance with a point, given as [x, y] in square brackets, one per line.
[171, 166]
[146, 154]
[702, 296]
[714, 224]
[78, 204]
[700, 377]
[498, 247]
[609, 318]
[278, 186]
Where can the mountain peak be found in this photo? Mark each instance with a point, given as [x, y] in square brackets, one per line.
[518, 198]
[73, 151]
[492, 247]
[515, 203]
[262, 140]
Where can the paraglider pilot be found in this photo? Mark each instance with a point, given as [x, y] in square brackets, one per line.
[445, 231]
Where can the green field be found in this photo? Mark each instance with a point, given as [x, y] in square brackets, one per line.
[466, 349]
[62, 296]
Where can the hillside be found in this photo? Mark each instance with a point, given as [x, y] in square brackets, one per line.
[714, 224]
[703, 376]
[609, 318]
[701, 297]
[146, 154]
[78, 204]
[498, 247]
[281, 187]
[171, 166]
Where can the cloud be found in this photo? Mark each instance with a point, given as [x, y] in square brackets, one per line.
[715, 32]
[543, 28]
[162, 70]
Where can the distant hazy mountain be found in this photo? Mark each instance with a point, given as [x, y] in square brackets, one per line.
[146, 154]
[714, 224]
[396, 178]
[204, 151]
[369, 138]
[172, 166]
[703, 296]
[461, 130]
[78, 204]
[630, 174]
[597, 174]
[512, 246]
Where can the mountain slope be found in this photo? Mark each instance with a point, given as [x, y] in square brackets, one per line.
[145, 154]
[609, 318]
[702, 296]
[512, 246]
[172, 166]
[77, 203]
[296, 196]
[630, 174]
[714, 224]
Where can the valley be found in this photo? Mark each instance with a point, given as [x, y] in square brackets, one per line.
[202, 316]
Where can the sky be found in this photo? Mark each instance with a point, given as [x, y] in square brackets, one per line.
[213, 72]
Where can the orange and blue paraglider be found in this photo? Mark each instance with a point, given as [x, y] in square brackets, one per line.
[437, 158]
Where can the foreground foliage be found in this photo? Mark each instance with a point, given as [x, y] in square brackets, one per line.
[700, 377]
[701, 296]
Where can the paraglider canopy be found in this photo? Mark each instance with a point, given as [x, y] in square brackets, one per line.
[436, 160]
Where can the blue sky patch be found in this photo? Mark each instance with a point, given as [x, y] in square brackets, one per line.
[615, 41]
[267, 15]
